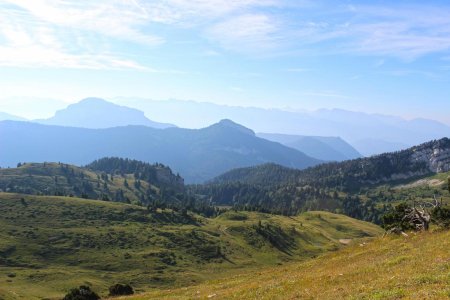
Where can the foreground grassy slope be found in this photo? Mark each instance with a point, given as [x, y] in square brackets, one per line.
[51, 244]
[393, 267]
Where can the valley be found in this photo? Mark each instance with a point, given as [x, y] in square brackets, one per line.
[51, 244]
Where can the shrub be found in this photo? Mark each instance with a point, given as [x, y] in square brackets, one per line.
[441, 216]
[396, 218]
[121, 290]
[81, 293]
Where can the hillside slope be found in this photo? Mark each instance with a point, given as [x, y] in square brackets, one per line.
[51, 244]
[198, 155]
[143, 184]
[416, 267]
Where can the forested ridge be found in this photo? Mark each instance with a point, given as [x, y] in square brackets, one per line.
[353, 187]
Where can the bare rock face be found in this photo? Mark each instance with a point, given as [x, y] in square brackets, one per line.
[436, 155]
[422, 160]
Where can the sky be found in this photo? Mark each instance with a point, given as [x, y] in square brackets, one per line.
[390, 57]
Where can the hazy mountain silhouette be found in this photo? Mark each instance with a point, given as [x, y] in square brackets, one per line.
[323, 148]
[197, 154]
[6, 116]
[368, 133]
[98, 113]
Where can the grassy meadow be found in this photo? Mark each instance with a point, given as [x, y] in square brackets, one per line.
[51, 244]
[392, 267]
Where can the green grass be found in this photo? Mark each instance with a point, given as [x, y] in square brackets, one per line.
[51, 244]
[423, 189]
[393, 267]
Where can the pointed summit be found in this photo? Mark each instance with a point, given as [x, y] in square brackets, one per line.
[229, 124]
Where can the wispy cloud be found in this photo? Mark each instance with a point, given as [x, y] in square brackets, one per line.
[62, 34]
[409, 72]
[190, 12]
[84, 34]
[114, 18]
[402, 31]
[245, 33]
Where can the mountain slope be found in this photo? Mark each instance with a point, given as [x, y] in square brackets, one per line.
[386, 133]
[198, 155]
[363, 188]
[416, 267]
[98, 113]
[323, 148]
[49, 245]
[267, 174]
[422, 160]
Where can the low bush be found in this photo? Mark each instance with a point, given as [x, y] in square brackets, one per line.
[82, 293]
[121, 290]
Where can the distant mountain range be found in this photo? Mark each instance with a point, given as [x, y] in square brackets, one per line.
[323, 134]
[97, 113]
[323, 148]
[368, 133]
[198, 155]
[6, 116]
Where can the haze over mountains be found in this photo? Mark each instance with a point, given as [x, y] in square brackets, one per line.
[324, 138]
[197, 154]
[323, 148]
[368, 133]
[98, 113]
[6, 116]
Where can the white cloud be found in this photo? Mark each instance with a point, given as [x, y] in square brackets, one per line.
[114, 18]
[179, 11]
[401, 31]
[245, 33]
[64, 34]
[80, 34]
[84, 34]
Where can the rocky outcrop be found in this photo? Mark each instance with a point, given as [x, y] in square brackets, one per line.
[435, 154]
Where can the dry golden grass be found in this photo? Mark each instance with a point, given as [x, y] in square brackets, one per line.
[393, 267]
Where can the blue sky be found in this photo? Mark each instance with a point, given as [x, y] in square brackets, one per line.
[390, 57]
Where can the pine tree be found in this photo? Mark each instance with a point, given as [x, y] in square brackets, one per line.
[448, 184]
